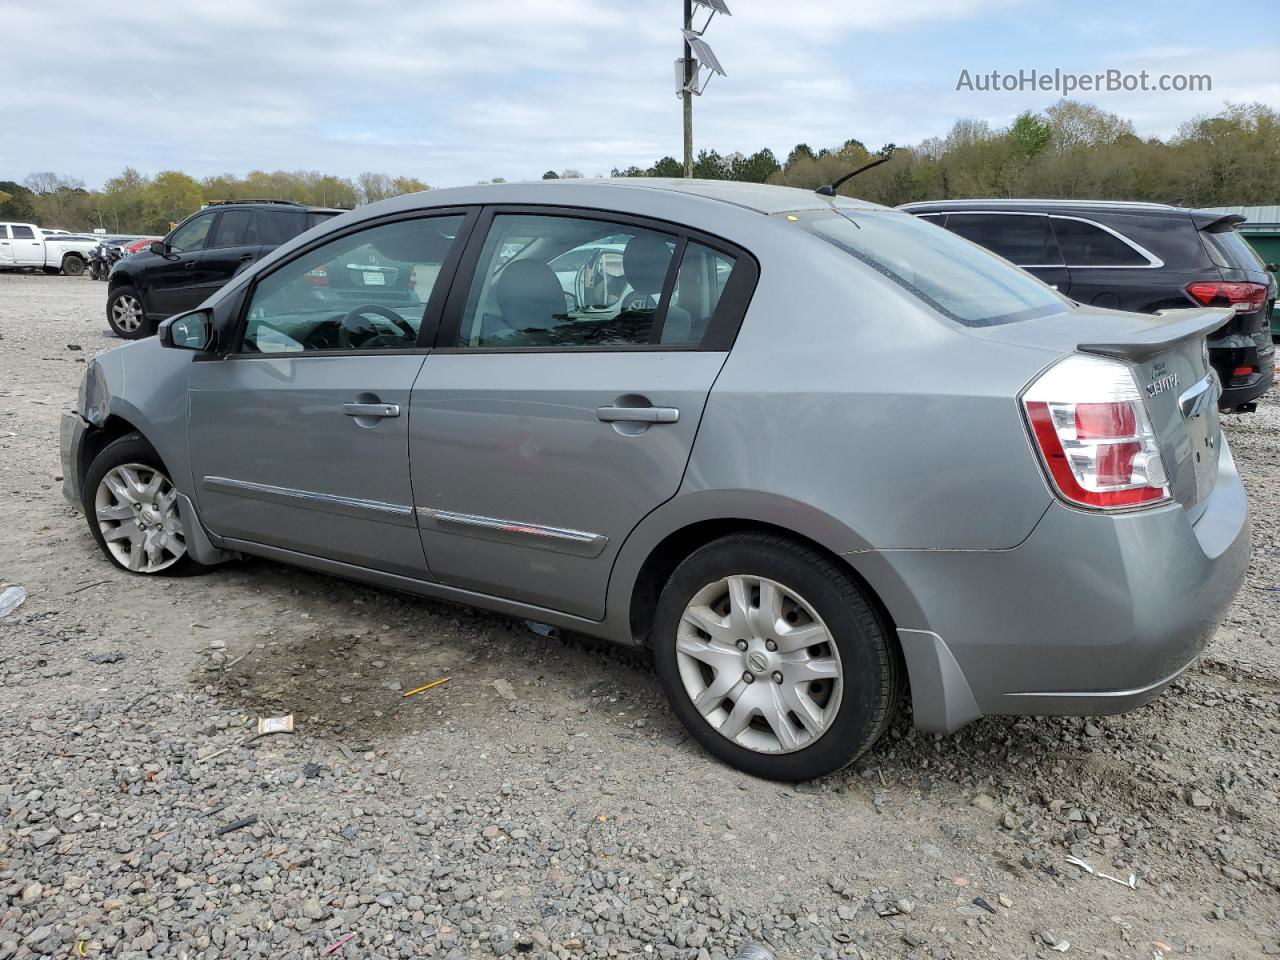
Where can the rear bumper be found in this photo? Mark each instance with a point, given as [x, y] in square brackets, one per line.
[1239, 350]
[1090, 615]
[71, 433]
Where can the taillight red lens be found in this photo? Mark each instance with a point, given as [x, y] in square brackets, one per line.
[1091, 428]
[1245, 297]
[1104, 420]
[1242, 371]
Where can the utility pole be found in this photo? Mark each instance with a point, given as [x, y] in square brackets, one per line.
[688, 90]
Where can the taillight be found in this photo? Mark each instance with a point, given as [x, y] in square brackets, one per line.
[1244, 297]
[1089, 423]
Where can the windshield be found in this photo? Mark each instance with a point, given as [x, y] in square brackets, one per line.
[959, 279]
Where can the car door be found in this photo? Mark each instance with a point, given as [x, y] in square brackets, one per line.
[28, 248]
[6, 247]
[299, 436]
[1021, 238]
[172, 283]
[544, 430]
[234, 244]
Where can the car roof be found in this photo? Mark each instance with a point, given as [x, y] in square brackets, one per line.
[760, 197]
[269, 205]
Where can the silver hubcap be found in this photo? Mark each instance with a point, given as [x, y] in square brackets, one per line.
[136, 508]
[759, 664]
[127, 312]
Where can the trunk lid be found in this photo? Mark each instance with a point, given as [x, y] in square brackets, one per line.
[1167, 354]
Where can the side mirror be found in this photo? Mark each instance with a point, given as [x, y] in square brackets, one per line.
[158, 248]
[1274, 267]
[187, 331]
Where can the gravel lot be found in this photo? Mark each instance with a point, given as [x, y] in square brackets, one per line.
[544, 801]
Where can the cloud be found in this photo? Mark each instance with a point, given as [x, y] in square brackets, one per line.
[457, 92]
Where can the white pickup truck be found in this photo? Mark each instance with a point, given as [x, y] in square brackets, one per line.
[24, 245]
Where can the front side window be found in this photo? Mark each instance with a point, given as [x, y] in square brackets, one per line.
[1020, 238]
[191, 236]
[22, 233]
[960, 280]
[236, 228]
[364, 291]
[1088, 245]
[553, 281]
[4, 232]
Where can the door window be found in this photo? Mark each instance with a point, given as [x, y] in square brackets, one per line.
[364, 291]
[703, 275]
[22, 233]
[546, 281]
[1021, 239]
[191, 236]
[4, 232]
[1088, 245]
[236, 228]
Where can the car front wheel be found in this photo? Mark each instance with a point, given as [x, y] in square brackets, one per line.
[72, 265]
[132, 508]
[774, 658]
[126, 315]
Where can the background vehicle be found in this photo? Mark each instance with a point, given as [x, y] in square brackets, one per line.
[197, 257]
[818, 442]
[24, 245]
[1137, 256]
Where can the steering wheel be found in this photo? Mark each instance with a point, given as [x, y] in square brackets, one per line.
[373, 310]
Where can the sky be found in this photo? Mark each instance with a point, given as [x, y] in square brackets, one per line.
[456, 92]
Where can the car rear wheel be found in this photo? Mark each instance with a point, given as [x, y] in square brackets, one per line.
[72, 265]
[774, 658]
[132, 508]
[126, 315]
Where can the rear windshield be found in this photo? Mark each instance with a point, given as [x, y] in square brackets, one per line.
[959, 279]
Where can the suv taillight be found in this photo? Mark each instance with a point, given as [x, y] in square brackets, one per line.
[1245, 297]
[1088, 421]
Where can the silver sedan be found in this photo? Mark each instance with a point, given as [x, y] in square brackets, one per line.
[811, 452]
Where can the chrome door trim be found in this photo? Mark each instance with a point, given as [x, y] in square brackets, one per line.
[560, 539]
[323, 502]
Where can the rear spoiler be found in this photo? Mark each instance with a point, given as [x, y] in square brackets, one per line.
[1165, 329]
[1215, 221]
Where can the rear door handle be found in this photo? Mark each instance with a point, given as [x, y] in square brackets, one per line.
[638, 414]
[246, 257]
[371, 409]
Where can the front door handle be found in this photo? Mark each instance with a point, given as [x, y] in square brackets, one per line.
[371, 409]
[638, 414]
[246, 257]
[190, 264]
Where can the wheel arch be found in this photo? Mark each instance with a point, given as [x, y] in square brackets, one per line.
[98, 436]
[675, 530]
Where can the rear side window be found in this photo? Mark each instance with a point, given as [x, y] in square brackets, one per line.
[22, 233]
[280, 226]
[1020, 238]
[961, 281]
[4, 232]
[235, 228]
[1086, 244]
[560, 282]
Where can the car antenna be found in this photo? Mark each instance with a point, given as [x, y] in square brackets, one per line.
[830, 190]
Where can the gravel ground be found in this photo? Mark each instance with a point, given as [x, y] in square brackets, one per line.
[544, 801]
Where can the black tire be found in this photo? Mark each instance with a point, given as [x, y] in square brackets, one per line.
[73, 265]
[144, 329]
[132, 448]
[871, 667]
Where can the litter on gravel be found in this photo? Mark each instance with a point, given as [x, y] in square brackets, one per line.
[11, 599]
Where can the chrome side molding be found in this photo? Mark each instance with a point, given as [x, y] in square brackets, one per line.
[560, 539]
[322, 502]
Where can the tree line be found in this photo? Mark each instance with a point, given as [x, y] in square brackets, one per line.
[1071, 149]
[133, 203]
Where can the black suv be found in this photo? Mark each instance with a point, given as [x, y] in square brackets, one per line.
[1137, 256]
[198, 256]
